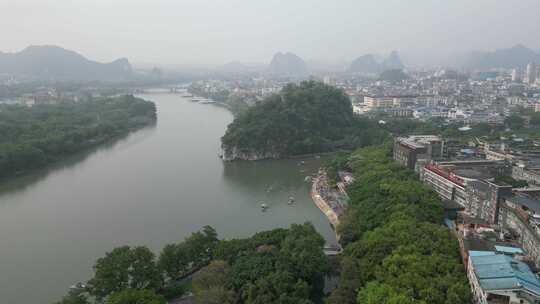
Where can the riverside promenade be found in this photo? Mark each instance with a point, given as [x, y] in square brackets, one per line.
[327, 199]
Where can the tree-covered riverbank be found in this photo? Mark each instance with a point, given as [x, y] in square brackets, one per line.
[33, 137]
[235, 103]
[277, 266]
[396, 247]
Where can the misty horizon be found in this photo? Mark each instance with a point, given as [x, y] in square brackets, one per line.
[209, 33]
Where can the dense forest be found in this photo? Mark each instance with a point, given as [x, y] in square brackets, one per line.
[277, 266]
[32, 137]
[396, 248]
[309, 117]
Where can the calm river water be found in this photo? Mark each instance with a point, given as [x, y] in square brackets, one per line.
[153, 187]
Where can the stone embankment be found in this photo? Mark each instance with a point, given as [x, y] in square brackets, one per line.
[327, 199]
[233, 153]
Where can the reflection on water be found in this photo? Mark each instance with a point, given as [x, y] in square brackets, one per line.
[271, 176]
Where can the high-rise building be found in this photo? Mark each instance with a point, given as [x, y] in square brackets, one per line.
[515, 75]
[530, 73]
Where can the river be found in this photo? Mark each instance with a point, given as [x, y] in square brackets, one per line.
[153, 187]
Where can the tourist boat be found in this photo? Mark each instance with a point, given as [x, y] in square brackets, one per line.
[78, 286]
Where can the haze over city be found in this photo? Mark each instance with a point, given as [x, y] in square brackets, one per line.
[216, 32]
[269, 152]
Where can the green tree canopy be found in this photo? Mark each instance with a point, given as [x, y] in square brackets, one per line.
[305, 118]
[211, 285]
[124, 268]
[136, 296]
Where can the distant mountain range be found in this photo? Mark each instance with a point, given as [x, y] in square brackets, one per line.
[237, 67]
[369, 64]
[393, 75]
[58, 64]
[517, 56]
[287, 64]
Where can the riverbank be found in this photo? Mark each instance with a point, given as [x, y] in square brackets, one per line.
[62, 130]
[327, 199]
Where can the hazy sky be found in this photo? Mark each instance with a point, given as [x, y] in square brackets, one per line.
[218, 31]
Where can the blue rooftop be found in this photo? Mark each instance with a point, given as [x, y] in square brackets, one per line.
[500, 272]
[474, 253]
[508, 250]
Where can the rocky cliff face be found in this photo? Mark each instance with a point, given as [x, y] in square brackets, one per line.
[233, 153]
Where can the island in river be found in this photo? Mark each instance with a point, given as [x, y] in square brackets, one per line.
[304, 118]
[33, 137]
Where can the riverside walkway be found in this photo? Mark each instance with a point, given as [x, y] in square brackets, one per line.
[326, 199]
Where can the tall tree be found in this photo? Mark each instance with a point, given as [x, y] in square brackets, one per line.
[211, 285]
[136, 296]
[123, 268]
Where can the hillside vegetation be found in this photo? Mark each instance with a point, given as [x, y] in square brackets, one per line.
[310, 117]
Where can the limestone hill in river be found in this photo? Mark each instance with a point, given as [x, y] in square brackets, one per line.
[309, 117]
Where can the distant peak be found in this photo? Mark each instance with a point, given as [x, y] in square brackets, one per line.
[519, 46]
[43, 47]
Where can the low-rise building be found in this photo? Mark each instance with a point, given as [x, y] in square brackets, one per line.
[497, 278]
[373, 103]
[408, 150]
[451, 179]
[520, 215]
[531, 174]
[484, 198]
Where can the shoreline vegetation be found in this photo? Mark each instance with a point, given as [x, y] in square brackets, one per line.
[237, 104]
[396, 248]
[33, 138]
[276, 266]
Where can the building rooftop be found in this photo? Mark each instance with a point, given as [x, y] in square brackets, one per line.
[523, 200]
[502, 272]
[508, 250]
[419, 141]
[477, 253]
